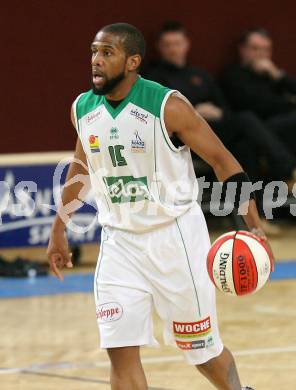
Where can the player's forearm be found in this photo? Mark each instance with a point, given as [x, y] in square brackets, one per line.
[75, 190]
[224, 163]
[251, 218]
[248, 210]
[69, 205]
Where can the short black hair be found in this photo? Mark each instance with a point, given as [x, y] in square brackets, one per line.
[255, 30]
[133, 39]
[172, 26]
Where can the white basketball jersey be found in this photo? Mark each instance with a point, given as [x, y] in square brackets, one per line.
[139, 178]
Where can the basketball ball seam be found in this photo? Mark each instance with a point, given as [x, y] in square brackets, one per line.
[254, 273]
[213, 254]
[232, 263]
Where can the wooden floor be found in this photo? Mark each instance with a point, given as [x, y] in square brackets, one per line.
[51, 342]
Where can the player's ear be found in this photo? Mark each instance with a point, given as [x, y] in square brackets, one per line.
[133, 62]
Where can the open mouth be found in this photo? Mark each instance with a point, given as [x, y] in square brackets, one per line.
[98, 79]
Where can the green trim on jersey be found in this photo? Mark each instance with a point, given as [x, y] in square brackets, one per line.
[87, 103]
[149, 96]
[145, 94]
[114, 111]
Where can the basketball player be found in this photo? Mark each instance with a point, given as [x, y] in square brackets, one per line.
[154, 236]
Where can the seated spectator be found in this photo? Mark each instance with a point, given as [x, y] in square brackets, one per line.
[242, 133]
[256, 83]
[235, 130]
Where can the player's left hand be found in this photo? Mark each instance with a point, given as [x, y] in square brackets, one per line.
[262, 236]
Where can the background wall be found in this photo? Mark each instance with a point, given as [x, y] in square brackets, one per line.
[45, 59]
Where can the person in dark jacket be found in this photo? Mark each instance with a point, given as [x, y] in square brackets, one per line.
[257, 84]
[242, 132]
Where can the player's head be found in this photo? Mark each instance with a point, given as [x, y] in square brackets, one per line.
[117, 50]
[173, 43]
[255, 44]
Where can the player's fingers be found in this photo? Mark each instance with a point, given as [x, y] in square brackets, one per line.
[57, 272]
[259, 233]
[55, 263]
[270, 254]
[69, 263]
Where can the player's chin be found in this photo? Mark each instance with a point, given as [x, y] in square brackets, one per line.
[98, 89]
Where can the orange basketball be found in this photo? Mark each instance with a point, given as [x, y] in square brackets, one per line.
[239, 263]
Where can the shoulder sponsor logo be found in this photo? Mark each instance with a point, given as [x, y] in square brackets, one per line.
[186, 345]
[137, 144]
[139, 115]
[94, 143]
[192, 329]
[123, 189]
[108, 312]
[92, 117]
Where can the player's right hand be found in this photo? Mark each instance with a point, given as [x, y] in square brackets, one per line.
[58, 254]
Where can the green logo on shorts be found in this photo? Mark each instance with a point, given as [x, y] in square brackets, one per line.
[123, 189]
[210, 341]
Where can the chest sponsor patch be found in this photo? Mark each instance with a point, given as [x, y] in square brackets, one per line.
[137, 144]
[93, 116]
[192, 329]
[140, 116]
[94, 143]
[123, 189]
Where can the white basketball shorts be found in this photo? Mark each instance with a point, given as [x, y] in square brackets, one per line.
[163, 270]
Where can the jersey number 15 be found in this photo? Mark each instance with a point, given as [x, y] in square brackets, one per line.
[116, 156]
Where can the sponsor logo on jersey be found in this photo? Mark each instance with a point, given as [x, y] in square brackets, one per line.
[123, 189]
[94, 143]
[192, 329]
[139, 115]
[137, 144]
[92, 117]
[186, 345]
[114, 133]
[108, 312]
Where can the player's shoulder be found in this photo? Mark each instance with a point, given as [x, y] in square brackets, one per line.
[149, 84]
[150, 95]
[85, 103]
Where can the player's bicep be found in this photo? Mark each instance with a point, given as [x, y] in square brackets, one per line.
[79, 154]
[72, 115]
[193, 131]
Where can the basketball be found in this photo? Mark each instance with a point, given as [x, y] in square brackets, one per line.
[239, 263]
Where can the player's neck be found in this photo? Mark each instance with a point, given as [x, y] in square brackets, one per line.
[123, 88]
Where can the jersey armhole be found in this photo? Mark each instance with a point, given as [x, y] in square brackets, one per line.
[74, 108]
[163, 126]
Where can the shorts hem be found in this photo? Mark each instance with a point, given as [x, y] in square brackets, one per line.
[203, 359]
